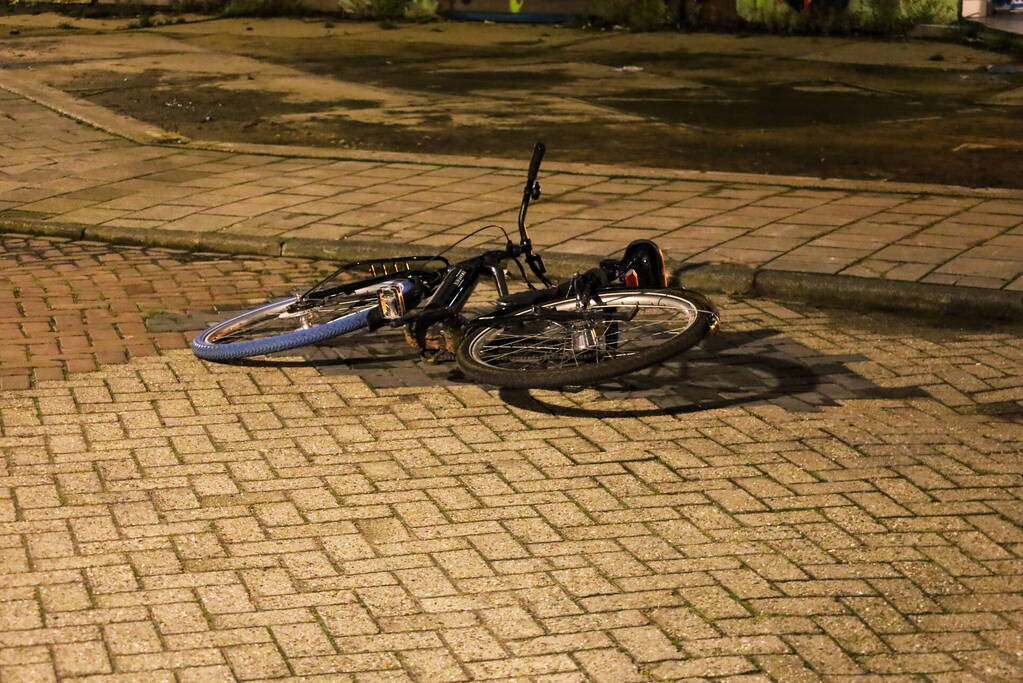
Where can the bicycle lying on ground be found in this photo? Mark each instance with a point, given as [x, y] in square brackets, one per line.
[611, 320]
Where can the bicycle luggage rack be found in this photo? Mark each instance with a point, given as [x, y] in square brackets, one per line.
[400, 264]
[405, 261]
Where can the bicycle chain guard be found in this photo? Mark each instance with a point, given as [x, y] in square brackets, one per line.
[435, 342]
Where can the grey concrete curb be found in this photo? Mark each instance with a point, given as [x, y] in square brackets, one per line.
[842, 291]
[85, 111]
[914, 298]
[992, 35]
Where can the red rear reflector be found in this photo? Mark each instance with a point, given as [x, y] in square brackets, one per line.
[631, 279]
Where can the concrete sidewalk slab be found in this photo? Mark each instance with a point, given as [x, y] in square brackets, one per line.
[119, 183]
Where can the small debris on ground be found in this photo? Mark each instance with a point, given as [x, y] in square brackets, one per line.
[973, 147]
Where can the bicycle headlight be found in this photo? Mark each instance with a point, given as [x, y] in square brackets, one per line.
[391, 302]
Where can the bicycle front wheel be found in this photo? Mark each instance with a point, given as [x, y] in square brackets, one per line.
[290, 323]
[621, 331]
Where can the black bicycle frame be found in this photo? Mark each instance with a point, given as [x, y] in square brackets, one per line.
[460, 282]
[460, 279]
[457, 281]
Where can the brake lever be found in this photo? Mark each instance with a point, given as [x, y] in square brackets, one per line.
[535, 262]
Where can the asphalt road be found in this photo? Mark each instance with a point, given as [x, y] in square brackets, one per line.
[835, 107]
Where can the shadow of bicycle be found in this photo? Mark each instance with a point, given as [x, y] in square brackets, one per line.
[730, 369]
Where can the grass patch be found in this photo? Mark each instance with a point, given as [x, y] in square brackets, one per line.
[264, 8]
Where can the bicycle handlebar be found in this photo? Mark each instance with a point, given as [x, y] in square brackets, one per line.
[534, 166]
[528, 192]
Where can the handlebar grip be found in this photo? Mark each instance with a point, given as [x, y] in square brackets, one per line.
[534, 165]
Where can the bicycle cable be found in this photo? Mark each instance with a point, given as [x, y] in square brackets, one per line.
[475, 232]
[522, 270]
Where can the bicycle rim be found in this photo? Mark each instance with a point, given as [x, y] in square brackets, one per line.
[545, 353]
[289, 324]
[275, 320]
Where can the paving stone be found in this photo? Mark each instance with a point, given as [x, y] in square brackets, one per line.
[807, 495]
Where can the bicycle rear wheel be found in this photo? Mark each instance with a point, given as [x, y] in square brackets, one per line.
[622, 331]
[290, 323]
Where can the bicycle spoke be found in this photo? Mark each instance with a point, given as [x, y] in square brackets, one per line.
[557, 346]
[285, 322]
[255, 330]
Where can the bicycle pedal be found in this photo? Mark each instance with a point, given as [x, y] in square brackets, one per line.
[435, 356]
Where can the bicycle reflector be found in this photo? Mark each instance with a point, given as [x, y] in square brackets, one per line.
[631, 278]
[391, 302]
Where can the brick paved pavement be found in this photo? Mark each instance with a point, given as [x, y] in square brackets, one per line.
[55, 170]
[806, 498]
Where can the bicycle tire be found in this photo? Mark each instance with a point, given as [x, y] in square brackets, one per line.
[213, 343]
[547, 358]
